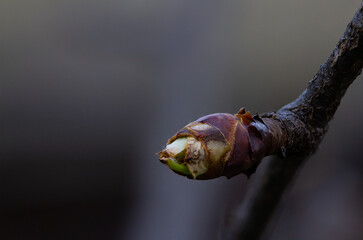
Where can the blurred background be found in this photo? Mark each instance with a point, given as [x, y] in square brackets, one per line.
[91, 90]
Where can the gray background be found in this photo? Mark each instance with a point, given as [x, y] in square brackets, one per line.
[91, 90]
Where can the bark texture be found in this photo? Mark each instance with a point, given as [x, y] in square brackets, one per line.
[298, 129]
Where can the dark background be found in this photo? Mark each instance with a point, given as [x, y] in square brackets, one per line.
[91, 90]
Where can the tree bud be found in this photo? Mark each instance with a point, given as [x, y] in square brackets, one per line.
[219, 144]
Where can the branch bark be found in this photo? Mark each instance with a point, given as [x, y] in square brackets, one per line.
[298, 128]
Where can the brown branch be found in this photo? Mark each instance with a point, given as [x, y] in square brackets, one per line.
[298, 128]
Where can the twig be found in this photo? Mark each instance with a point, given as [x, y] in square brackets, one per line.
[299, 128]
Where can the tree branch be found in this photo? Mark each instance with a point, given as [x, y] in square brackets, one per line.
[298, 128]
